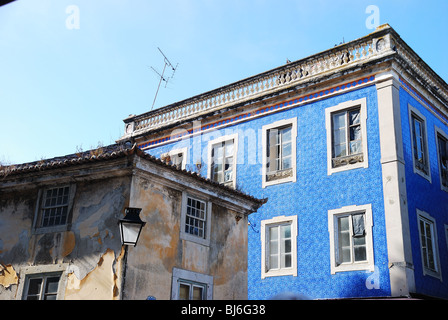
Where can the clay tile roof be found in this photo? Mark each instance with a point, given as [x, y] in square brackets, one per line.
[108, 153]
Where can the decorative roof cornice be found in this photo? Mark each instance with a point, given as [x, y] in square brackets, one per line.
[381, 45]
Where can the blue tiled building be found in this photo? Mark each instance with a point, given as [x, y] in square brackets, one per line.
[350, 146]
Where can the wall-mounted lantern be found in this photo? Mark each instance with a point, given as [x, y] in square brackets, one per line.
[131, 226]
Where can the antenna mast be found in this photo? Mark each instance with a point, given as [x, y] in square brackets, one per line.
[162, 78]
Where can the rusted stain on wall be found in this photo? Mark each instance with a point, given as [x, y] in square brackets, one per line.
[8, 276]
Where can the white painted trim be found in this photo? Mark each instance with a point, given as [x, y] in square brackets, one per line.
[418, 114]
[422, 215]
[286, 271]
[332, 229]
[189, 237]
[265, 128]
[439, 131]
[233, 137]
[340, 107]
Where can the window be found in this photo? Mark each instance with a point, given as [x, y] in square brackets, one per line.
[350, 231]
[346, 136]
[279, 246]
[442, 151]
[222, 160]
[191, 290]
[177, 157]
[189, 285]
[428, 244]
[54, 205]
[279, 152]
[195, 219]
[42, 287]
[419, 143]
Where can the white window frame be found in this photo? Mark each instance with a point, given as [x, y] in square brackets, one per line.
[414, 112]
[192, 278]
[440, 132]
[208, 210]
[333, 215]
[426, 218]
[219, 140]
[265, 225]
[183, 151]
[264, 140]
[362, 103]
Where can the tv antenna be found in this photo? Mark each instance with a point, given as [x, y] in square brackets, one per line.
[161, 75]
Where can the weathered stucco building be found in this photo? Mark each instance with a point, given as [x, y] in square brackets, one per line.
[59, 235]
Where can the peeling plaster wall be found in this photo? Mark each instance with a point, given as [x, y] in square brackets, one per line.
[160, 249]
[90, 248]
[89, 255]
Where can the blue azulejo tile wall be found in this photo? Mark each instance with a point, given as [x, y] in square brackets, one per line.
[425, 194]
[309, 198]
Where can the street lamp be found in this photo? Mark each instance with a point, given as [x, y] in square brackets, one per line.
[131, 226]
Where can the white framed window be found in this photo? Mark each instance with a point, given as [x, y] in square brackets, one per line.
[428, 244]
[419, 142]
[53, 208]
[279, 246]
[222, 153]
[195, 217]
[442, 156]
[176, 157]
[279, 152]
[351, 241]
[346, 136]
[189, 285]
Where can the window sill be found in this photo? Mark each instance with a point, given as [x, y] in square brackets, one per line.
[360, 266]
[278, 177]
[432, 273]
[279, 273]
[195, 239]
[421, 173]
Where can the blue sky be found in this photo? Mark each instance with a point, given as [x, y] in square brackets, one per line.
[65, 88]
